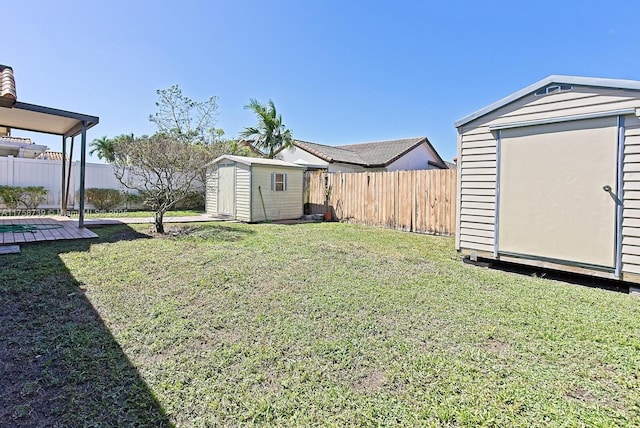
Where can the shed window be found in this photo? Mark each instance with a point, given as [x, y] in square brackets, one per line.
[278, 181]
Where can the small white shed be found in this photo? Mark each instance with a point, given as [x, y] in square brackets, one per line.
[254, 189]
[550, 176]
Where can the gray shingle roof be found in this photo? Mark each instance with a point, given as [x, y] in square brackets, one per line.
[7, 86]
[373, 154]
[384, 152]
[331, 153]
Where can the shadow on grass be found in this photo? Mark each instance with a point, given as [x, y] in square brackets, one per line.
[59, 363]
[556, 275]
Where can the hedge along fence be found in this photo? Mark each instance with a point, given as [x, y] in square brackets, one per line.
[29, 197]
[415, 201]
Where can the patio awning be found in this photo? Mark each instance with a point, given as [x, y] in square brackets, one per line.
[31, 117]
[35, 118]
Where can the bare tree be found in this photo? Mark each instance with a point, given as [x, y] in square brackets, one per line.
[161, 169]
[186, 120]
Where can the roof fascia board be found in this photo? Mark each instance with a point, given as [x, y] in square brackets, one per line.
[30, 130]
[621, 112]
[56, 112]
[77, 129]
[572, 80]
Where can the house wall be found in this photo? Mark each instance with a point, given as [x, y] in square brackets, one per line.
[345, 167]
[477, 163]
[295, 154]
[279, 205]
[418, 158]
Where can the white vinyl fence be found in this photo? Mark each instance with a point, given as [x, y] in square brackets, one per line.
[22, 172]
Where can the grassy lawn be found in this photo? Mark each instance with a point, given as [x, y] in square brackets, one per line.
[316, 324]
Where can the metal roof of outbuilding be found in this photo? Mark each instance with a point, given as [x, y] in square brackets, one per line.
[557, 79]
[245, 160]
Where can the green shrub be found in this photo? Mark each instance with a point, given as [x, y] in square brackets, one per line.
[134, 199]
[193, 201]
[10, 196]
[104, 199]
[30, 196]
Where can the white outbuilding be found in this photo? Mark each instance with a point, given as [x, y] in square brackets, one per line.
[550, 176]
[254, 189]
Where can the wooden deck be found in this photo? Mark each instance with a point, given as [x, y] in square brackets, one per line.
[42, 229]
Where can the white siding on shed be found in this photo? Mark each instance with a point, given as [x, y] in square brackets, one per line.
[477, 153]
[211, 195]
[279, 205]
[243, 193]
[631, 211]
[477, 157]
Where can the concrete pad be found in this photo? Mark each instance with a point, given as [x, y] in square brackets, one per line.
[9, 249]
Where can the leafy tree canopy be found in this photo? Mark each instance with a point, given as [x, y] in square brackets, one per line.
[270, 134]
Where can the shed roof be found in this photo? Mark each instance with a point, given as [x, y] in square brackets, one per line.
[557, 79]
[256, 161]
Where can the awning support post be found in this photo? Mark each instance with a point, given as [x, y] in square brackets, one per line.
[63, 199]
[83, 159]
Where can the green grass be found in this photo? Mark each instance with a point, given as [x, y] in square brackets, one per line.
[316, 324]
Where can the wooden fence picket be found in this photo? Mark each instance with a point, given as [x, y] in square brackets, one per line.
[417, 201]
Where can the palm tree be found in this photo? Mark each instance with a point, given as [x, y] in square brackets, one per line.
[269, 135]
[103, 148]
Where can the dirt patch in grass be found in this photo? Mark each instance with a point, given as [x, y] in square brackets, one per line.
[496, 346]
[371, 383]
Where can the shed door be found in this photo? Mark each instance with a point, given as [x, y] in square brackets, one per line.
[552, 203]
[226, 188]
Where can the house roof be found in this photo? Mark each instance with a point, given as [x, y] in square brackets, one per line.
[17, 146]
[15, 140]
[557, 79]
[7, 86]
[451, 165]
[373, 154]
[256, 161]
[54, 156]
[330, 153]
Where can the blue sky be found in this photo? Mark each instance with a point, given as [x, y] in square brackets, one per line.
[339, 71]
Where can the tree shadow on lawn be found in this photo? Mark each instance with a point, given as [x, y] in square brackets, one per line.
[59, 364]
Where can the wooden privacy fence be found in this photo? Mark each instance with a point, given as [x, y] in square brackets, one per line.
[415, 201]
